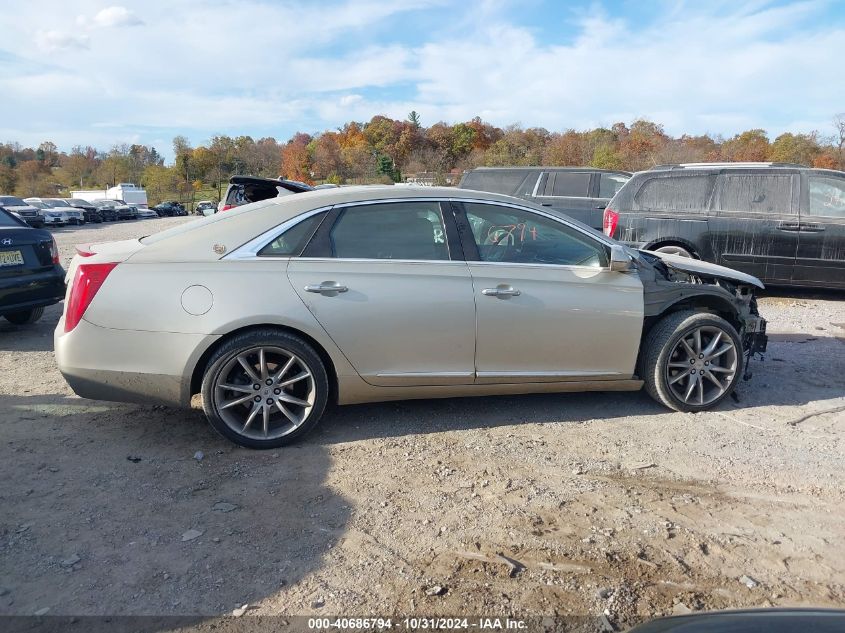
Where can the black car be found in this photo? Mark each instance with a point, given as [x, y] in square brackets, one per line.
[92, 213]
[245, 189]
[784, 224]
[31, 277]
[169, 209]
[107, 209]
[579, 192]
[125, 211]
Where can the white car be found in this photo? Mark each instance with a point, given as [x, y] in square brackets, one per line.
[51, 216]
[359, 294]
[70, 214]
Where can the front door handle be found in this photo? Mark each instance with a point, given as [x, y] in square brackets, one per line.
[328, 288]
[501, 291]
[789, 226]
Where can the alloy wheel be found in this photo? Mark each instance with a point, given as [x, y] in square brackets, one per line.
[702, 365]
[264, 393]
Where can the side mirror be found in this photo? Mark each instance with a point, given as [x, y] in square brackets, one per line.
[620, 261]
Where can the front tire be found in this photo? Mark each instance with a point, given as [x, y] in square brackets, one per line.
[24, 317]
[691, 361]
[264, 389]
[675, 249]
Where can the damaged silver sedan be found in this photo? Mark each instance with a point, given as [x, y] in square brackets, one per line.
[364, 294]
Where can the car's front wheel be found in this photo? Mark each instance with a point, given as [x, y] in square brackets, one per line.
[24, 317]
[264, 388]
[691, 361]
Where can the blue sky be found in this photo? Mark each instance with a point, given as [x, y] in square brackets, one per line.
[94, 73]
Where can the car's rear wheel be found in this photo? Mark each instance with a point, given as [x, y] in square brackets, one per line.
[691, 361]
[24, 317]
[264, 389]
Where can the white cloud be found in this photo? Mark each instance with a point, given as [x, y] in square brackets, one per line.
[51, 41]
[116, 16]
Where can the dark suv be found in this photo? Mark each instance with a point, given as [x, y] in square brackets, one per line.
[784, 224]
[579, 192]
[246, 189]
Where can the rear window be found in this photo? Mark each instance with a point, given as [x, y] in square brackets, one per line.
[677, 193]
[756, 193]
[505, 181]
[609, 184]
[564, 184]
[11, 201]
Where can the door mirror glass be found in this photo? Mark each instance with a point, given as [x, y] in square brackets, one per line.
[620, 261]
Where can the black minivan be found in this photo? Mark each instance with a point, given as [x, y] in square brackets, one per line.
[579, 192]
[784, 224]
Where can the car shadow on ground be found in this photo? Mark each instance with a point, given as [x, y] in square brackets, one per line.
[115, 508]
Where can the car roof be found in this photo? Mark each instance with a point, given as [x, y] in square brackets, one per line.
[197, 240]
[551, 168]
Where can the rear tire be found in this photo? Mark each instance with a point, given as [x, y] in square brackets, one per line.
[264, 388]
[676, 249]
[24, 317]
[691, 361]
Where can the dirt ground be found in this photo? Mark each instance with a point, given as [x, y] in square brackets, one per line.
[578, 504]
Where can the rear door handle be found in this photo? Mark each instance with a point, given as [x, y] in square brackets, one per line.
[328, 288]
[789, 226]
[501, 291]
[546, 204]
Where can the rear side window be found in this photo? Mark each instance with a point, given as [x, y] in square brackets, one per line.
[564, 184]
[7, 219]
[293, 241]
[609, 184]
[677, 193]
[401, 230]
[827, 197]
[756, 193]
[505, 181]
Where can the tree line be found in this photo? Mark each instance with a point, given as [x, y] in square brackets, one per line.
[389, 150]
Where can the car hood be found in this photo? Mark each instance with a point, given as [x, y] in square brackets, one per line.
[698, 267]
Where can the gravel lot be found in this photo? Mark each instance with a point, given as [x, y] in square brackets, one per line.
[550, 504]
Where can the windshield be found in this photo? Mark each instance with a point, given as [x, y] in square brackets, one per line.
[12, 201]
[56, 202]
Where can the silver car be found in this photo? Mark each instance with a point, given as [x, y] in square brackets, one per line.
[362, 294]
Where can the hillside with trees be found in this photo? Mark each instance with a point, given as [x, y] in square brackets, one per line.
[389, 150]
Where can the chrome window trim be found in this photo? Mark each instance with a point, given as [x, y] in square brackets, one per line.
[251, 249]
[361, 260]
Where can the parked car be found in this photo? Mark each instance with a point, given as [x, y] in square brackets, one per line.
[51, 216]
[782, 223]
[107, 209]
[125, 211]
[145, 213]
[89, 210]
[245, 189]
[169, 209]
[31, 277]
[394, 293]
[205, 207]
[70, 214]
[579, 192]
[23, 209]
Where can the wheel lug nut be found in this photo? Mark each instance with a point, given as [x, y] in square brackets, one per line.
[277, 391]
[692, 371]
[270, 400]
[257, 398]
[707, 363]
[268, 382]
[701, 372]
[256, 387]
[701, 355]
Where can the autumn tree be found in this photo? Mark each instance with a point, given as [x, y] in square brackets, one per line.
[296, 161]
[751, 145]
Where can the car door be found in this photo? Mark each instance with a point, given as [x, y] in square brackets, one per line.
[754, 223]
[548, 307]
[821, 239]
[385, 282]
[570, 192]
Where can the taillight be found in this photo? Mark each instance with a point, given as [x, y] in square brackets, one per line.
[87, 281]
[54, 251]
[226, 207]
[611, 219]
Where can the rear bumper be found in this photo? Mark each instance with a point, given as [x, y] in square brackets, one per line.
[32, 291]
[129, 365]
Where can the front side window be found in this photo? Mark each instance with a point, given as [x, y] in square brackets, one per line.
[503, 234]
[675, 193]
[827, 196]
[564, 184]
[756, 193]
[394, 230]
[609, 184]
[291, 242]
